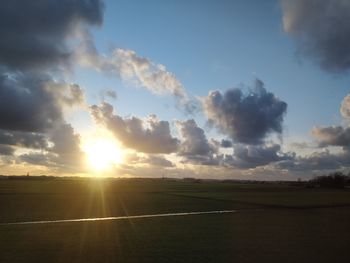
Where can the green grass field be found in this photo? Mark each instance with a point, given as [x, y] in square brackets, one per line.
[273, 223]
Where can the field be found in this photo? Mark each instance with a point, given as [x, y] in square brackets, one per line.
[272, 222]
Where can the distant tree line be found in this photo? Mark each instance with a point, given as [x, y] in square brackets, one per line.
[332, 180]
[27, 177]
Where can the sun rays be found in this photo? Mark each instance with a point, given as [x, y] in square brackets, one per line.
[102, 153]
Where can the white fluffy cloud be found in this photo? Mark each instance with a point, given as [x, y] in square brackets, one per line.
[140, 71]
[150, 136]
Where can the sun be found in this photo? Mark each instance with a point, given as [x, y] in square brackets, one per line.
[102, 153]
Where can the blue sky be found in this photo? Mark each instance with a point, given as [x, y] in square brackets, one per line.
[212, 45]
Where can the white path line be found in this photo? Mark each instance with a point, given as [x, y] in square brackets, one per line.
[117, 218]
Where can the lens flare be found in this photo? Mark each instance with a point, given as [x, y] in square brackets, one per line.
[102, 153]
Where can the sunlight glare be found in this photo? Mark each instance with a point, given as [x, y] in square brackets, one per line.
[102, 153]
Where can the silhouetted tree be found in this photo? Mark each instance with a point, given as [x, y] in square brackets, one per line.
[333, 180]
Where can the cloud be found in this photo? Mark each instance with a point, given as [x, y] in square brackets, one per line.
[332, 136]
[108, 94]
[64, 140]
[158, 161]
[127, 65]
[36, 47]
[34, 34]
[31, 113]
[150, 136]
[251, 156]
[195, 147]
[33, 102]
[150, 160]
[38, 41]
[226, 143]
[137, 70]
[68, 94]
[245, 118]
[194, 140]
[321, 30]
[37, 159]
[301, 145]
[25, 103]
[23, 139]
[63, 154]
[317, 161]
[327, 136]
[66, 147]
[335, 135]
[6, 150]
[345, 107]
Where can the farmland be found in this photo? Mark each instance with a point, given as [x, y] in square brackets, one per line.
[272, 222]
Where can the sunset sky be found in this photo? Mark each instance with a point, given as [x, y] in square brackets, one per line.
[192, 88]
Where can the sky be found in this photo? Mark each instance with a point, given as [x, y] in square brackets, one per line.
[209, 89]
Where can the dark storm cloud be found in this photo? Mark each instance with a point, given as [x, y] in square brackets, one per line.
[23, 139]
[38, 39]
[317, 161]
[321, 30]
[36, 159]
[150, 136]
[251, 156]
[6, 150]
[66, 149]
[226, 143]
[34, 33]
[158, 161]
[33, 102]
[333, 136]
[151, 160]
[245, 118]
[64, 155]
[194, 140]
[64, 139]
[208, 160]
[195, 147]
[31, 114]
[25, 103]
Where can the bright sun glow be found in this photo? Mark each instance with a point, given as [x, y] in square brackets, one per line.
[102, 153]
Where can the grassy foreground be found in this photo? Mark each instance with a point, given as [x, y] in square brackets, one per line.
[273, 223]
